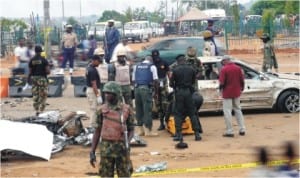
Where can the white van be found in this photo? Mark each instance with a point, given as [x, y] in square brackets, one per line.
[157, 29]
[137, 30]
[98, 29]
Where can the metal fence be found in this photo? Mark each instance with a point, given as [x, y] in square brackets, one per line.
[242, 36]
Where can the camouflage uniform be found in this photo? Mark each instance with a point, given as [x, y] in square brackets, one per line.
[270, 60]
[113, 152]
[160, 100]
[38, 71]
[191, 59]
[39, 92]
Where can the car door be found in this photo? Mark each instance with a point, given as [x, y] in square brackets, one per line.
[166, 50]
[208, 87]
[257, 91]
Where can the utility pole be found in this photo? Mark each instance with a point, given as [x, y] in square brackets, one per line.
[80, 11]
[47, 40]
[63, 10]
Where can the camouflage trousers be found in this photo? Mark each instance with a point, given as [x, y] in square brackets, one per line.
[126, 94]
[39, 92]
[114, 155]
[161, 101]
[269, 63]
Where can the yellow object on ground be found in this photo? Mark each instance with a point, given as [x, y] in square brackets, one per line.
[186, 126]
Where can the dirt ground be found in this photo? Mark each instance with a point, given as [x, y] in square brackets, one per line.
[264, 128]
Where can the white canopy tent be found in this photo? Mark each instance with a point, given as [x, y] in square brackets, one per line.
[193, 15]
[190, 17]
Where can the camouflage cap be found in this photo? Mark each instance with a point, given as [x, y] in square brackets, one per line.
[112, 87]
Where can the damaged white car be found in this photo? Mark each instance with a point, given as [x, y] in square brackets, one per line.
[262, 90]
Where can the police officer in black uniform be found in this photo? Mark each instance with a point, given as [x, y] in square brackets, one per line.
[161, 99]
[182, 81]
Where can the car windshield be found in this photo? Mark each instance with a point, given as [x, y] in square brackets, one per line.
[131, 26]
[98, 27]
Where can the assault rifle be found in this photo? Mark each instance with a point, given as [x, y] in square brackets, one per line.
[126, 142]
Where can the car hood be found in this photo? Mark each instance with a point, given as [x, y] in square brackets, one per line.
[287, 76]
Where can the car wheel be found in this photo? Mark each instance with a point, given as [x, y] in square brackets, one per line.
[288, 102]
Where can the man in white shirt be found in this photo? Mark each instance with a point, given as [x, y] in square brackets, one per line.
[122, 46]
[21, 56]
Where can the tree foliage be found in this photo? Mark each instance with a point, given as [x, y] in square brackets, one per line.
[133, 14]
[267, 21]
[278, 6]
[7, 25]
[72, 21]
[112, 14]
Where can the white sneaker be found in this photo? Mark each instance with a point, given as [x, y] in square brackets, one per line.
[61, 71]
[71, 71]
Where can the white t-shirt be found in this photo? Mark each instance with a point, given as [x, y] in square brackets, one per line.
[119, 47]
[20, 53]
[209, 49]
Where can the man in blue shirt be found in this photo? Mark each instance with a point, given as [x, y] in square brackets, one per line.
[111, 40]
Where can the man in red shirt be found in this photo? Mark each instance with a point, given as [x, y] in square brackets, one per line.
[231, 85]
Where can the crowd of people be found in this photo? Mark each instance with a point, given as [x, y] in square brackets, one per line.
[110, 77]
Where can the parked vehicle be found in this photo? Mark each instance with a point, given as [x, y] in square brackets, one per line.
[98, 29]
[170, 48]
[157, 29]
[137, 31]
[262, 90]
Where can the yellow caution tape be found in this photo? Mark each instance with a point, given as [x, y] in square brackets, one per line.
[210, 168]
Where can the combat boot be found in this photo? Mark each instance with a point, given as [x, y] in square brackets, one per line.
[197, 136]
[162, 125]
[178, 136]
[141, 131]
[149, 133]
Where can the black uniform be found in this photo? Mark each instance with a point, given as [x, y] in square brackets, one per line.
[161, 99]
[182, 80]
[91, 75]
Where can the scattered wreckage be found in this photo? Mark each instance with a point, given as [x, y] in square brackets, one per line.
[64, 131]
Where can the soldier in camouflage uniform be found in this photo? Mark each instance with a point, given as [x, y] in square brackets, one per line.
[161, 99]
[114, 127]
[191, 59]
[270, 60]
[38, 70]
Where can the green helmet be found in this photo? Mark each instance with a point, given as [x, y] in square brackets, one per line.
[112, 87]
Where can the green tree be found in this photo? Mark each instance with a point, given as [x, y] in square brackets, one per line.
[140, 14]
[128, 14]
[72, 21]
[236, 18]
[267, 21]
[112, 14]
[278, 6]
[7, 25]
